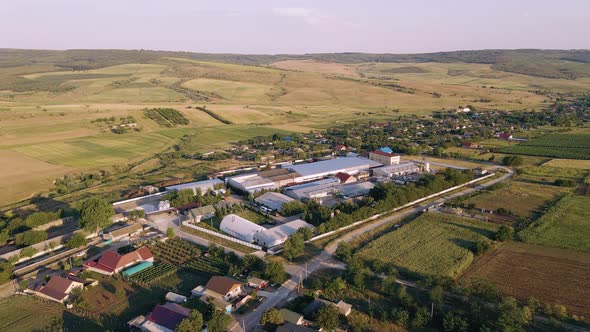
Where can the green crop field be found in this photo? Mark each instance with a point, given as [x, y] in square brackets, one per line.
[432, 244]
[565, 225]
[561, 145]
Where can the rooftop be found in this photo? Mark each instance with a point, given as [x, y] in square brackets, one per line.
[203, 185]
[222, 285]
[168, 315]
[333, 166]
[273, 200]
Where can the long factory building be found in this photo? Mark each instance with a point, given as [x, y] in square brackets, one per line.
[300, 173]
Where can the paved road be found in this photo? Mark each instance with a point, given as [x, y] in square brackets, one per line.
[325, 259]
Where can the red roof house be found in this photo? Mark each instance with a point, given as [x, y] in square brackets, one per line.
[111, 262]
[340, 147]
[505, 135]
[345, 178]
[57, 289]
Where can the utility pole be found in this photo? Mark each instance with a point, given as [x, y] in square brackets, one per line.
[432, 311]
[243, 326]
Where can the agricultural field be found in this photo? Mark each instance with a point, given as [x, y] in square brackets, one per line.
[565, 225]
[153, 273]
[47, 112]
[560, 145]
[166, 117]
[27, 313]
[175, 252]
[554, 276]
[432, 244]
[523, 199]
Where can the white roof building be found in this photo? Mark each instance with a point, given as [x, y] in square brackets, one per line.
[240, 228]
[356, 189]
[399, 169]
[273, 201]
[202, 185]
[279, 234]
[315, 189]
[320, 169]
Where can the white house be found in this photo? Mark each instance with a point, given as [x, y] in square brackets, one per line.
[240, 228]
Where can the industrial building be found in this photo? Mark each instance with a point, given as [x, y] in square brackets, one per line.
[399, 169]
[385, 158]
[240, 228]
[356, 189]
[202, 186]
[289, 174]
[273, 200]
[149, 204]
[312, 190]
[321, 169]
[279, 234]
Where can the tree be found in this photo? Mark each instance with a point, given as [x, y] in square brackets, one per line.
[194, 322]
[559, 312]
[6, 269]
[219, 322]
[504, 233]
[28, 252]
[294, 246]
[136, 214]
[401, 317]
[271, 318]
[512, 160]
[437, 296]
[56, 324]
[96, 214]
[344, 251]
[510, 316]
[454, 322]
[305, 232]
[170, 232]
[292, 208]
[328, 318]
[481, 247]
[275, 272]
[30, 237]
[77, 240]
[421, 318]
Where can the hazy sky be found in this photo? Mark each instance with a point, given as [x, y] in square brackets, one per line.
[267, 26]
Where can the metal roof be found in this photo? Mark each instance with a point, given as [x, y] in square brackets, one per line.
[333, 166]
[273, 200]
[203, 185]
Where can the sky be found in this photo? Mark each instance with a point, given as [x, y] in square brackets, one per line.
[297, 27]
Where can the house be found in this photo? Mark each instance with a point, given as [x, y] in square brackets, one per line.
[111, 262]
[290, 327]
[202, 213]
[344, 308]
[291, 317]
[385, 158]
[507, 136]
[340, 148]
[471, 145]
[225, 287]
[257, 283]
[57, 289]
[462, 109]
[123, 232]
[165, 317]
[198, 291]
[345, 178]
[210, 297]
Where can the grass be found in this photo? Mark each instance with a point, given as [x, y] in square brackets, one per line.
[254, 217]
[565, 225]
[97, 150]
[554, 276]
[559, 145]
[432, 244]
[521, 198]
[28, 313]
[219, 241]
[231, 90]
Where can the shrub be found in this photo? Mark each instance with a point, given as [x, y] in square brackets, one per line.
[30, 237]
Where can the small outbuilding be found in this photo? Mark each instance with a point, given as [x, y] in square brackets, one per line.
[176, 298]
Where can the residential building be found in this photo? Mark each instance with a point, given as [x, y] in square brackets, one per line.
[57, 289]
[385, 158]
[111, 262]
[227, 288]
[291, 317]
[122, 232]
[340, 148]
[257, 283]
[273, 200]
[240, 228]
[507, 136]
[165, 317]
[345, 178]
[290, 327]
[202, 213]
[344, 308]
[471, 145]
